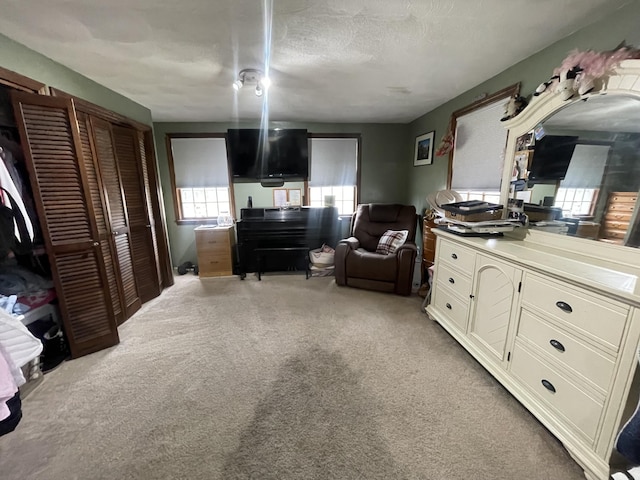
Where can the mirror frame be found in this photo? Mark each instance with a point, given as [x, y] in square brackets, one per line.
[624, 81]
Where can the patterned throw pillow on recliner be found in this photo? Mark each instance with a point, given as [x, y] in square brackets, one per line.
[391, 240]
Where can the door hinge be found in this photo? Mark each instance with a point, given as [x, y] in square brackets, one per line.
[519, 286]
[508, 356]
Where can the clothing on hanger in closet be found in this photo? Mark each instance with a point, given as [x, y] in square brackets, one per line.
[10, 403]
[13, 158]
[6, 182]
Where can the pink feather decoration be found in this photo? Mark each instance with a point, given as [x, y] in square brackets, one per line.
[596, 64]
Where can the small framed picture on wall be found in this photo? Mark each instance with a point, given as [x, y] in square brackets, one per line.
[294, 196]
[279, 197]
[424, 149]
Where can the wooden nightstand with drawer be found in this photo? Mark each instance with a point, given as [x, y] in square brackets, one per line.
[216, 250]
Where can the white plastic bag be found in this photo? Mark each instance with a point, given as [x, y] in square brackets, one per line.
[322, 257]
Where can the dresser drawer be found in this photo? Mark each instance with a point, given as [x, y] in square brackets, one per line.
[212, 241]
[454, 280]
[621, 207]
[621, 217]
[623, 197]
[581, 410]
[214, 265]
[566, 349]
[455, 309]
[613, 226]
[615, 234]
[589, 313]
[461, 258]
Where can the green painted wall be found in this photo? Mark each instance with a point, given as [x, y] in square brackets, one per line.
[604, 34]
[20, 59]
[382, 177]
[387, 173]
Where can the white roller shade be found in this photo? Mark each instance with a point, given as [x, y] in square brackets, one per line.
[478, 155]
[200, 162]
[586, 167]
[333, 161]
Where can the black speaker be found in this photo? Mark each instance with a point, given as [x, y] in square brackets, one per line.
[272, 182]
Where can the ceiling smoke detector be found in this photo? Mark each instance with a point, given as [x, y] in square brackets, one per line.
[252, 76]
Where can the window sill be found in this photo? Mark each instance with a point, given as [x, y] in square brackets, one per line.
[198, 221]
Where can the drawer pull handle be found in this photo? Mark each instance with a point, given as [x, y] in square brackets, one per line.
[448, 305]
[557, 345]
[451, 280]
[454, 256]
[564, 306]
[549, 386]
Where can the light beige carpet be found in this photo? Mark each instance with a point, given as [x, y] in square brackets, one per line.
[285, 378]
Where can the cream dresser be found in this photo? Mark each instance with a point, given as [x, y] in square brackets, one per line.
[216, 250]
[559, 330]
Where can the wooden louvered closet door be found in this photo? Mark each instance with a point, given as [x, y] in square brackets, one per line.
[160, 231]
[107, 244]
[146, 185]
[117, 208]
[145, 265]
[53, 150]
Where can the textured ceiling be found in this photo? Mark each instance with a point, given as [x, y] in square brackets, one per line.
[330, 60]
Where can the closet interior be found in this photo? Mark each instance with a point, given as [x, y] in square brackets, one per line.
[87, 179]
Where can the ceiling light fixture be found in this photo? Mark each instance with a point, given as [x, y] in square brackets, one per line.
[252, 76]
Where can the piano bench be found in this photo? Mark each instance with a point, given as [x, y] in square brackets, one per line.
[299, 252]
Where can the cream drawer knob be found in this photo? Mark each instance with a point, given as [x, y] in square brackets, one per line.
[549, 386]
[564, 306]
[454, 256]
[451, 280]
[448, 305]
[557, 345]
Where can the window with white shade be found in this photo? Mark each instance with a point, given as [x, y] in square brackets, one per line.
[578, 191]
[200, 176]
[478, 155]
[334, 166]
[480, 138]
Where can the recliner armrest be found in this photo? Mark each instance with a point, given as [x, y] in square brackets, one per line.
[353, 242]
[343, 250]
[406, 255]
[407, 246]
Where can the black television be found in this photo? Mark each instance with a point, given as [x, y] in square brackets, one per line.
[244, 155]
[551, 157]
[283, 154]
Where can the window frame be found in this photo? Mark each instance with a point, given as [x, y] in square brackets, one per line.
[595, 196]
[344, 187]
[174, 188]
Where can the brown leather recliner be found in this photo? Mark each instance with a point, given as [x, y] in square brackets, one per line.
[356, 262]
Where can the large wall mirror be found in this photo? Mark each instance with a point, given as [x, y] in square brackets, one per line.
[576, 163]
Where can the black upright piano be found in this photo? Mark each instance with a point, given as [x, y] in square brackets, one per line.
[282, 228]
